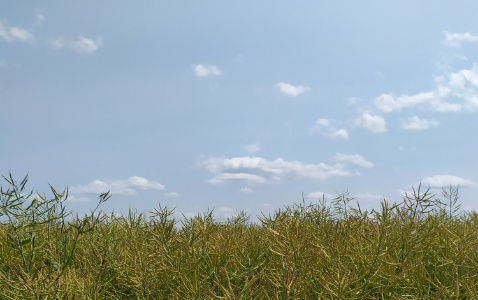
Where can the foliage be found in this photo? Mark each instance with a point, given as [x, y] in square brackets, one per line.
[420, 248]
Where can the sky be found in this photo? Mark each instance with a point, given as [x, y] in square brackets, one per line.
[236, 105]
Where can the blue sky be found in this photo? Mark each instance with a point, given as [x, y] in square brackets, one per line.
[238, 106]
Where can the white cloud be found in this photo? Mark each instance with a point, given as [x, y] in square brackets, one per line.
[246, 190]
[224, 177]
[172, 194]
[374, 123]
[322, 125]
[292, 90]
[14, 33]
[57, 43]
[411, 148]
[359, 197]
[402, 192]
[446, 180]
[464, 84]
[86, 45]
[320, 195]
[118, 187]
[253, 148]
[369, 197]
[226, 212]
[80, 44]
[415, 123]
[74, 198]
[455, 39]
[260, 170]
[338, 133]
[40, 17]
[461, 87]
[388, 103]
[434, 99]
[353, 101]
[206, 70]
[21, 34]
[354, 159]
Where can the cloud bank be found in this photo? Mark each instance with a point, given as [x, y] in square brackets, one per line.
[259, 170]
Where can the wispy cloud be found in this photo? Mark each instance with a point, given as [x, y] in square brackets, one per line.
[355, 159]
[11, 34]
[117, 187]
[81, 44]
[245, 190]
[409, 148]
[322, 122]
[260, 170]
[323, 126]
[201, 70]
[75, 198]
[369, 197]
[374, 123]
[40, 17]
[338, 134]
[253, 148]
[291, 90]
[456, 39]
[415, 123]
[359, 197]
[86, 45]
[57, 43]
[172, 194]
[446, 180]
[225, 212]
[225, 177]
[353, 101]
[320, 196]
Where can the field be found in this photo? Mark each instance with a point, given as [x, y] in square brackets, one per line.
[422, 248]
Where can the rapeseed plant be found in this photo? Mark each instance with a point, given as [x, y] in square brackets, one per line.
[423, 247]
